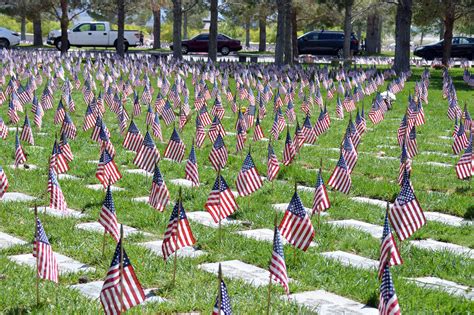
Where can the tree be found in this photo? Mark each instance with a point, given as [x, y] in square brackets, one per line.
[283, 48]
[347, 28]
[402, 35]
[177, 21]
[156, 12]
[120, 28]
[212, 53]
[373, 37]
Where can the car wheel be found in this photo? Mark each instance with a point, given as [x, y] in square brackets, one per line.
[184, 50]
[340, 53]
[4, 43]
[225, 50]
[58, 43]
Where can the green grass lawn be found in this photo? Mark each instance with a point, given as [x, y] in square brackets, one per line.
[196, 290]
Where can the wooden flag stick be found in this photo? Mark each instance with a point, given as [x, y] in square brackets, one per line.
[37, 258]
[103, 243]
[121, 269]
[270, 281]
[176, 238]
[219, 290]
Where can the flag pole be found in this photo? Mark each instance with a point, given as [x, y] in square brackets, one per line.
[270, 281]
[294, 249]
[319, 211]
[219, 291]
[37, 259]
[180, 200]
[121, 269]
[220, 207]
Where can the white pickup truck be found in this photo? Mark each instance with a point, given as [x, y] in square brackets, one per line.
[94, 34]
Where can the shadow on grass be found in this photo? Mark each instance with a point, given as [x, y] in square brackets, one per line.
[469, 215]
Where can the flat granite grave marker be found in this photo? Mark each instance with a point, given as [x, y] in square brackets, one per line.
[29, 167]
[436, 246]
[185, 252]
[325, 303]
[67, 177]
[446, 219]
[182, 182]
[283, 206]
[139, 172]
[59, 213]
[374, 230]
[444, 285]
[348, 259]
[65, 264]
[16, 197]
[265, 235]
[101, 187]
[92, 290]
[97, 227]
[6, 241]
[236, 269]
[204, 218]
[375, 202]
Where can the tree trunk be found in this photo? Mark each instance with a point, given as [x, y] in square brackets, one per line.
[262, 25]
[64, 24]
[37, 31]
[120, 28]
[288, 44]
[23, 28]
[185, 25]
[373, 33]
[157, 28]
[441, 29]
[280, 36]
[294, 35]
[448, 31]
[212, 53]
[347, 28]
[402, 36]
[422, 35]
[379, 35]
[247, 32]
[177, 53]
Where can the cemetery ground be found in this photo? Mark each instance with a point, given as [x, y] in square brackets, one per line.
[435, 183]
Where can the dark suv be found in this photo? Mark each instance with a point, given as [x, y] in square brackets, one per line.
[325, 43]
[200, 43]
[462, 47]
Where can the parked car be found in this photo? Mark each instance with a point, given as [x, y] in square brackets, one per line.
[200, 43]
[8, 38]
[93, 34]
[462, 47]
[325, 43]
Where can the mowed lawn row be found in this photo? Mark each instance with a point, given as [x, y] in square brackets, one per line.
[437, 189]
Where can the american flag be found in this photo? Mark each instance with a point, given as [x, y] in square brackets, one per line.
[323, 123]
[56, 200]
[3, 183]
[405, 164]
[453, 110]
[406, 215]
[47, 98]
[149, 116]
[175, 148]
[460, 139]
[321, 198]
[15, 101]
[58, 161]
[20, 156]
[137, 109]
[70, 103]
[148, 154]
[159, 103]
[349, 152]
[402, 130]
[68, 128]
[46, 260]
[412, 149]
[191, 169]
[340, 178]
[277, 263]
[178, 233]
[38, 116]
[59, 114]
[159, 195]
[289, 151]
[353, 133]
[108, 217]
[121, 290]
[467, 119]
[273, 167]
[465, 165]
[388, 304]
[220, 203]
[299, 137]
[308, 131]
[389, 254]
[348, 102]
[278, 124]
[204, 116]
[376, 113]
[12, 114]
[290, 112]
[241, 137]
[65, 148]
[168, 114]
[105, 143]
[218, 110]
[89, 119]
[133, 139]
[258, 132]
[222, 301]
[218, 155]
[248, 179]
[200, 132]
[27, 132]
[107, 172]
[156, 127]
[216, 128]
[98, 126]
[3, 129]
[296, 225]
[250, 116]
[146, 96]
[339, 109]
